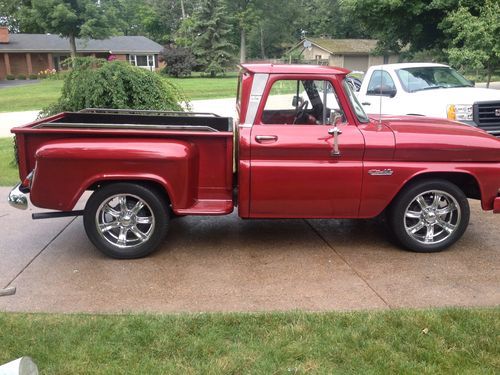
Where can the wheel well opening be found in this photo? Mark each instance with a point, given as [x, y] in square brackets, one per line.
[153, 185]
[467, 183]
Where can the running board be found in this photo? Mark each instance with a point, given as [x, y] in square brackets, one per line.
[53, 215]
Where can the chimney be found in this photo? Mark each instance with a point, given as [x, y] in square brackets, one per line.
[4, 34]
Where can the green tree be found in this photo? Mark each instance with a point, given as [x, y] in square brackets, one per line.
[475, 39]
[97, 83]
[400, 23]
[211, 30]
[69, 18]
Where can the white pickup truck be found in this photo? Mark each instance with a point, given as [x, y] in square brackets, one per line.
[428, 89]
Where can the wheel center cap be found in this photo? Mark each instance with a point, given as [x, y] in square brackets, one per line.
[126, 220]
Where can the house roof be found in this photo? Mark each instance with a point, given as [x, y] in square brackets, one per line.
[343, 46]
[293, 69]
[54, 43]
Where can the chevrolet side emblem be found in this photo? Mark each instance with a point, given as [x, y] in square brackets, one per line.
[381, 172]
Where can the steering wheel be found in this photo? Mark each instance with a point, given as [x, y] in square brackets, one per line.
[301, 109]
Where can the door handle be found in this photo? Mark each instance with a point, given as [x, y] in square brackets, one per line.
[266, 138]
[335, 131]
[366, 103]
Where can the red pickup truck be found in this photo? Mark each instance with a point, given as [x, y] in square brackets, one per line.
[303, 148]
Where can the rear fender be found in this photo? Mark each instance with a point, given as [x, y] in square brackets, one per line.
[66, 168]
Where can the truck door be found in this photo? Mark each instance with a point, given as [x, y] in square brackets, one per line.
[294, 171]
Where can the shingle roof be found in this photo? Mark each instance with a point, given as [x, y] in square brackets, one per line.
[54, 43]
[344, 46]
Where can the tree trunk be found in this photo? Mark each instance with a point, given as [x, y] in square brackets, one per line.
[488, 79]
[183, 10]
[262, 48]
[243, 47]
[72, 45]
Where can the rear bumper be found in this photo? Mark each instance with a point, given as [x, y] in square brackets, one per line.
[496, 205]
[18, 199]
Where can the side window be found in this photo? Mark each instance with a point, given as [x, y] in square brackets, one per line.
[381, 83]
[301, 102]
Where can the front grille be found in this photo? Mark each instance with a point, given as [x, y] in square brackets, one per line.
[487, 116]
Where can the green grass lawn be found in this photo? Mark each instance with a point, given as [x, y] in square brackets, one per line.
[8, 171]
[29, 97]
[36, 96]
[385, 342]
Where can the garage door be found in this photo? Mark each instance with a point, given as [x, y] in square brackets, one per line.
[356, 62]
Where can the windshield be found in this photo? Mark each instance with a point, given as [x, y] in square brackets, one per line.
[358, 109]
[430, 77]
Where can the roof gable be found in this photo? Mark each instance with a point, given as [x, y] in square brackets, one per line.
[55, 43]
[342, 46]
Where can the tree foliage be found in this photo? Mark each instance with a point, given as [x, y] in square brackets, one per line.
[97, 83]
[211, 46]
[416, 24]
[475, 40]
[72, 19]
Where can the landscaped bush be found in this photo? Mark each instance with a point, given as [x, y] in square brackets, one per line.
[33, 76]
[179, 62]
[21, 76]
[10, 77]
[97, 83]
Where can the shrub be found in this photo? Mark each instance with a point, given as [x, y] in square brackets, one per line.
[10, 77]
[33, 76]
[21, 76]
[180, 62]
[97, 83]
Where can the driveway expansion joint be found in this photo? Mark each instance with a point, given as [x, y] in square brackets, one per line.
[348, 264]
[6, 287]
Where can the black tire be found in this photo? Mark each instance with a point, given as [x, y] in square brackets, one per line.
[125, 234]
[404, 216]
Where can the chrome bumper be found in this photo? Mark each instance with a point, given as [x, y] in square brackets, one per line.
[17, 198]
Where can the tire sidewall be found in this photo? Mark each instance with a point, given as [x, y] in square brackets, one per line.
[152, 198]
[406, 196]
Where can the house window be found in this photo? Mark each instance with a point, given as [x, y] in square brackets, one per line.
[143, 61]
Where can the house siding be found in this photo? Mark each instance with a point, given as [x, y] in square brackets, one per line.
[18, 63]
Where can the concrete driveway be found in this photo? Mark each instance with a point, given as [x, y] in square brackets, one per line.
[229, 264]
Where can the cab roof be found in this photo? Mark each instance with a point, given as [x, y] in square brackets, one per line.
[293, 69]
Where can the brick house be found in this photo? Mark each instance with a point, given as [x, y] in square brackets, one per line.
[353, 54]
[31, 53]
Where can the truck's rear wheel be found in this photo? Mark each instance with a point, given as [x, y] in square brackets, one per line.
[125, 220]
[429, 216]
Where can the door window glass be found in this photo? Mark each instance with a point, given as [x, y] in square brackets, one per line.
[301, 102]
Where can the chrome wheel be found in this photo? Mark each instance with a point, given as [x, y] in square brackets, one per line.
[432, 217]
[125, 220]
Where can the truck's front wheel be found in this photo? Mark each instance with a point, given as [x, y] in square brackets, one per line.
[125, 220]
[429, 216]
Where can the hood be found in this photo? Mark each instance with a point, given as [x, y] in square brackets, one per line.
[432, 139]
[458, 95]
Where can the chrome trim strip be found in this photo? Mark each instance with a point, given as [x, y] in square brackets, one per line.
[17, 198]
[86, 125]
[258, 86]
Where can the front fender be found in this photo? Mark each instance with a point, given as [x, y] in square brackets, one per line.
[380, 189]
[66, 168]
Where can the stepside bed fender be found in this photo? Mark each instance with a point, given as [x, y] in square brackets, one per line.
[66, 168]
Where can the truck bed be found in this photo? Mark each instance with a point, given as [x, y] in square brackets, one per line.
[135, 138]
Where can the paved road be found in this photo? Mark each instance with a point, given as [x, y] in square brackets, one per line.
[229, 264]
[5, 83]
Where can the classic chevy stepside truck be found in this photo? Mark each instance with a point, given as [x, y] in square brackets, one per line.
[292, 154]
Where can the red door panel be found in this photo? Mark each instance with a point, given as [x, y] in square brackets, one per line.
[293, 173]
